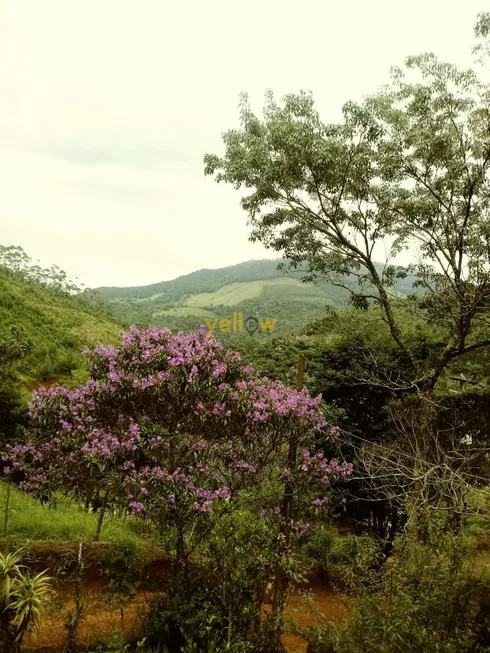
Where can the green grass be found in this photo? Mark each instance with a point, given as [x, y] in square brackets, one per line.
[295, 291]
[234, 293]
[229, 295]
[195, 311]
[30, 520]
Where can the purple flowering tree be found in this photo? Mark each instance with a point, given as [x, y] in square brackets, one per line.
[169, 425]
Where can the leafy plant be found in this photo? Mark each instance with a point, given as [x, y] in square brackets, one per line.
[22, 598]
[217, 607]
[123, 567]
[319, 546]
[428, 597]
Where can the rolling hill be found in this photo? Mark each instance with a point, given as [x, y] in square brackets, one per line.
[58, 325]
[254, 289]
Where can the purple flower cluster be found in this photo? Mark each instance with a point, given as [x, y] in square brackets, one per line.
[166, 416]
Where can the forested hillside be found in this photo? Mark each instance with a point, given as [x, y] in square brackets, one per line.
[57, 322]
[253, 288]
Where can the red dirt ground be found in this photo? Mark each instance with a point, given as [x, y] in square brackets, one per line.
[100, 618]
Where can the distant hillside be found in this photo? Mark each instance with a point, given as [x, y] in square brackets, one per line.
[198, 282]
[58, 325]
[254, 289]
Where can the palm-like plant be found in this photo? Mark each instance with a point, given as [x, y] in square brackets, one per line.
[22, 597]
[9, 569]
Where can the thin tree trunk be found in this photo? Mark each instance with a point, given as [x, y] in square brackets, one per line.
[76, 616]
[387, 309]
[101, 516]
[181, 559]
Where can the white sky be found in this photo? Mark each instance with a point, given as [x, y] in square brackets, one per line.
[108, 106]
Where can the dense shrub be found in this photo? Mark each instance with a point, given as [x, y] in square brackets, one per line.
[428, 597]
[216, 607]
[122, 567]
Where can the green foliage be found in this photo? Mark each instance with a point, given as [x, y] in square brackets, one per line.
[56, 322]
[216, 608]
[117, 644]
[358, 367]
[350, 553]
[352, 360]
[319, 546]
[367, 386]
[428, 597]
[22, 598]
[482, 33]
[355, 555]
[17, 263]
[122, 566]
[14, 346]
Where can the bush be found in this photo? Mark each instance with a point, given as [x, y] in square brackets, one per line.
[426, 598]
[355, 554]
[319, 546]
[123, 567]
[216, 608]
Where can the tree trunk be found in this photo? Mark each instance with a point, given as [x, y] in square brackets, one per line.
[181, 560]
[101, 516]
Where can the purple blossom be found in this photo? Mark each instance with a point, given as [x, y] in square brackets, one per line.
[319, 502]
[121, 424]
[136, 506]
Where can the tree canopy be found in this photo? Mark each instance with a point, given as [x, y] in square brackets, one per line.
[407, 169]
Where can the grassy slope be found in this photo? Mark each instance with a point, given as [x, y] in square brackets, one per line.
[30, 520]
[180, 311]
[236, 293]
[58, 326]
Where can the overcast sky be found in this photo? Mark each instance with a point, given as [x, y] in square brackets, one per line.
[108, 106]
